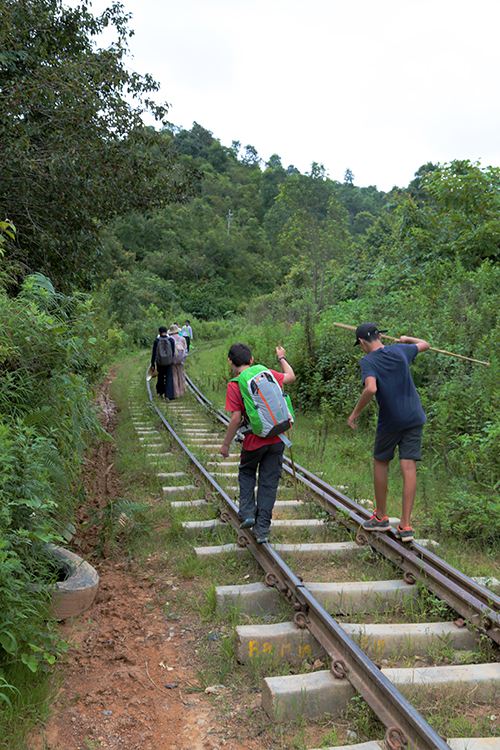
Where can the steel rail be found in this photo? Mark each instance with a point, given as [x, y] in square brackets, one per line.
[474, 602]
[469, 598]
[231, 509]
[202, 399]
[393, 709]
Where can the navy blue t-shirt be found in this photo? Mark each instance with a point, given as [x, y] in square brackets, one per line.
[397, 397]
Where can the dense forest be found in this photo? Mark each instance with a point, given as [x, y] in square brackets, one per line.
[250, 225]
[108, 228]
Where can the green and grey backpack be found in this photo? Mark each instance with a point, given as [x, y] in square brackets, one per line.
[269, 412]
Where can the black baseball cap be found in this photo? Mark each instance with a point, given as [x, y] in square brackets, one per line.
[367, 331]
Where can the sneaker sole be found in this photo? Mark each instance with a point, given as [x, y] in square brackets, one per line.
[247, 524]
[377, 528]
[404, 538]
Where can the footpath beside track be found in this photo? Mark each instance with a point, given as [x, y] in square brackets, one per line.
[355, 651]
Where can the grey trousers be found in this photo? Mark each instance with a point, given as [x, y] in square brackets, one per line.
[269, 461]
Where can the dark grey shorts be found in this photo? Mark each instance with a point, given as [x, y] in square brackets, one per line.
[409, 442]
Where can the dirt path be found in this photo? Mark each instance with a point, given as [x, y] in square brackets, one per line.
[124, 684]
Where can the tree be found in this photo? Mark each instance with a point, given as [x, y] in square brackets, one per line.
[318, 226]
[415, 187]
[362, 222]
[348, 177]
[251, 158]
[73, 151]
[274, 162]
[195, 142]
[459, 215]
[271, 178]
[201, 145]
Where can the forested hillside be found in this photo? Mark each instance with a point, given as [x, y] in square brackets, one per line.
[109, 228]
[251, 224]
[296, 252]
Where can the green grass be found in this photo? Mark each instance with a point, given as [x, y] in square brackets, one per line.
[31, 706]
[343, 458]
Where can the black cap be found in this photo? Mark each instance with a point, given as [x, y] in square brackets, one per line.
[367, 331]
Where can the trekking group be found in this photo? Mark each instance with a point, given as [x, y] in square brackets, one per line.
[260, 415]
[170, 350]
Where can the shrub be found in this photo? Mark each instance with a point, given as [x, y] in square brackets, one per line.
[51, 354]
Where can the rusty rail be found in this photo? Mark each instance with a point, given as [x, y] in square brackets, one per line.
[348, 660]
[475, 603]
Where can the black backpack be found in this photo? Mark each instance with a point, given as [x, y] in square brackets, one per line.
[164, 356]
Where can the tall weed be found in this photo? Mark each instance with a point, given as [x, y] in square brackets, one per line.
[52, 352]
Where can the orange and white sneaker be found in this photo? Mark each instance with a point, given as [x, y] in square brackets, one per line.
[377, 524]
[405, 535]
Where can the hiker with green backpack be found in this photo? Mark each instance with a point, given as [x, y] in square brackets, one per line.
[255, 396]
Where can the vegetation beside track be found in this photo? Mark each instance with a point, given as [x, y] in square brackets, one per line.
[240, 709]
[448, 508]
[52, 351]
[421, 260]
[343, 458]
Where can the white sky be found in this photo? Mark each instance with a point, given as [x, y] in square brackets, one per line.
[378, 86]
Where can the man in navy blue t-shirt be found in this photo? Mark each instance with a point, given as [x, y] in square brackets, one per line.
[385, 372]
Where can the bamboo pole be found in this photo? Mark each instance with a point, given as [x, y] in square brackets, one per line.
[431, 348]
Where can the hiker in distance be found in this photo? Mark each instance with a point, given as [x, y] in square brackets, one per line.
[264, 453]
[187, 332]
[162, 358]
[180, 354]
[385, 373]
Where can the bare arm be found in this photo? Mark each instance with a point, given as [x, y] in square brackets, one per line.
[232, 429]
[365, 398]
[287, 369]
[421, 344]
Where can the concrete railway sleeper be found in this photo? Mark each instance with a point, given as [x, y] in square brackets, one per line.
[313, 630]
[476, 604]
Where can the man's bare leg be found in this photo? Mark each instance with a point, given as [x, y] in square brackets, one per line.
[409, 472]
[380, 482]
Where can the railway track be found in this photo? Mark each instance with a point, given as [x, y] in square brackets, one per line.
[357, 652]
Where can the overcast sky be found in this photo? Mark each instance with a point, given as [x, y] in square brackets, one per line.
[376, 86]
